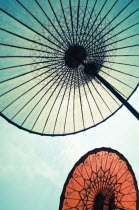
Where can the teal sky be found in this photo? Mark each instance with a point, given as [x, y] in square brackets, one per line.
[33, 168]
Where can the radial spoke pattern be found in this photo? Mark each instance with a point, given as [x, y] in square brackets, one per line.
[43, 90]
[100, 180]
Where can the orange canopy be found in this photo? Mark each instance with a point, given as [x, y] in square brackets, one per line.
[100, 180]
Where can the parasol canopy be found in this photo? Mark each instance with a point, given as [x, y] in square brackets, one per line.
[66, 66]
[101, 180]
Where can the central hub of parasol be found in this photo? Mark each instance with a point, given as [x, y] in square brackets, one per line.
[99, 202]
[75, 56]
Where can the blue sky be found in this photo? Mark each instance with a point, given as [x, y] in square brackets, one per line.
[33, 169]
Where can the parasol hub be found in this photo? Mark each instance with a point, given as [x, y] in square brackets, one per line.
[99, 202]
[74, 56]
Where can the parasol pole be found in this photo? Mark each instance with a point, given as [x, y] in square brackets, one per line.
[91, 69]
[123, 101]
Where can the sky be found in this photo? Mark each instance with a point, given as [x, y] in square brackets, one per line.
[33, 168]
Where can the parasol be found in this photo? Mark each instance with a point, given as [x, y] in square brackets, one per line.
[67, 66]
[101, 179]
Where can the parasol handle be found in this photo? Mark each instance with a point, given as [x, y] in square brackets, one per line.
[123, 101]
